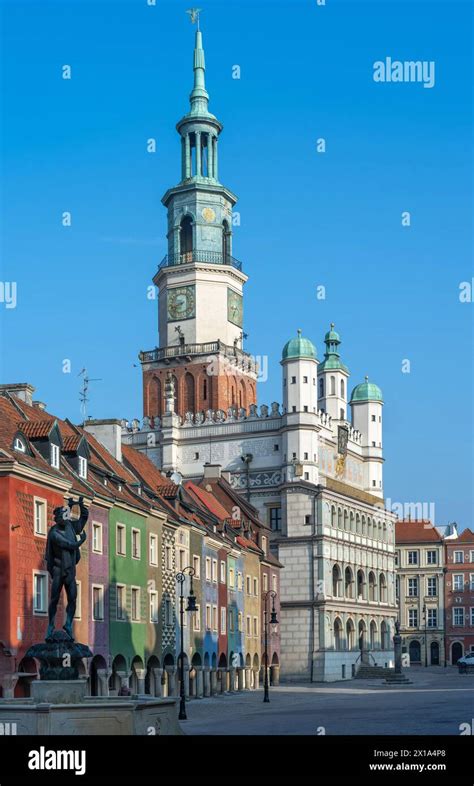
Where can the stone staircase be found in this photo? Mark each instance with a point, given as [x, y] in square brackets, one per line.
[366, 672]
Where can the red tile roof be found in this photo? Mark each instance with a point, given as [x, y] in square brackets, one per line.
[36, 429]
[71, 443]
[419, 531]
[466, 536]
[208, 500]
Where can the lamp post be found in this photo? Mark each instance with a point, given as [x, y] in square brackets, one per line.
[180, 578]
[273, 621]
[425, 612]
[445, 647]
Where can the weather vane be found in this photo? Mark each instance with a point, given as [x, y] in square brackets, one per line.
[194, 15]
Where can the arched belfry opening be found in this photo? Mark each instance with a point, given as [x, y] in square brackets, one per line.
[186, 239]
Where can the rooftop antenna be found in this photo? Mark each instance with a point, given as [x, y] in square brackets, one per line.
[83, 397]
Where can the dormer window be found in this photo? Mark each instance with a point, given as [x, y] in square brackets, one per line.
[18, 444]
[55, 456]
[82, 467]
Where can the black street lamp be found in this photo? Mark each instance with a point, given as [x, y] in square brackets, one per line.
[180, 577]
[273, 621]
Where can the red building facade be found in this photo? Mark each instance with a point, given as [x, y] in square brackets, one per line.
[459, 597]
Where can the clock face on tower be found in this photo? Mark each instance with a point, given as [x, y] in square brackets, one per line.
[181, 303]
[234, 308]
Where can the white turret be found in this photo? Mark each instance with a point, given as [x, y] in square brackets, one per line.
[333, 377]
[366, 404]
[300, 436]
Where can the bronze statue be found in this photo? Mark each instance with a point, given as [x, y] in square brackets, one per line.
[62, 556]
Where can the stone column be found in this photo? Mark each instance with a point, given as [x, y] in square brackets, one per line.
[183, 158]
[198, 154]
[186, 682]
[207, 682]
[213, 676]
[215, 170]
[223, 674]
[210, 156]
[247, 679]
[230, 680]
[187, 164]
[141, 674]
[103, 682]
[199, 683]
[257, 681]
[240, 679]
[157, 676]
[124, 679]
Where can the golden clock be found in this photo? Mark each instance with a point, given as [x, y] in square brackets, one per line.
[208, 214]
[181, 303]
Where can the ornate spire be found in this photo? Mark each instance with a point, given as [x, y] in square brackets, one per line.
[199, 97]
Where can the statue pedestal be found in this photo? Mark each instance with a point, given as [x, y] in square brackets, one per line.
[59, 656]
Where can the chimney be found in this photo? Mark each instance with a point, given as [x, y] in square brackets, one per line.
[22, 390]
[212, 470]
[108, 433]
[39, 405]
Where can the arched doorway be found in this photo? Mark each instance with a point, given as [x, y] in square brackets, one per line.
[360, 585]
[28, 672]
[96, 686]
[456, 652]
[337, 634]
[350, 634]
[336, 581]
[136, 675]
[167, 676]
[373, 635]
[434, 653]
[119, 664]
[384, 637]
[415, 651]
[150, 685]
[362, 635]
[348, 583]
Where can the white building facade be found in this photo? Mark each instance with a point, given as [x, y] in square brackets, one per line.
[311, 466]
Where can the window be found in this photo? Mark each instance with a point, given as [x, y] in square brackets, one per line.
[321, 387]
[82, 467]
[135, 543]
[214, 618]
[471, 582]
[153, 549]
[472, 618]
[240, 581]
[77, 613]
[458, 616]
[373, 418]
[458, 582]
[241, 617]
[274, 582]
[397, 559]
[305, 380]
[471, 556]
[276, 448]
[154, 613]
[255, 587]
[196, 456]
[197, 618]
[197, 566]
[135, 604]
[40, 593]
[293, 380]
[168, 612]
[231, 619]
[432, 586]
[121, 549]
[432, 619]
[97, 537]
[293, 409]
[333, 386]
[305, 457]
[413, 587]
[40, 516]
[208, 568]
[97, 602]
[231, 578]
[307, 519]
[208, 617]
[413, 558]
[121, 608]
[18, 444]
[265, 582]
[223, 619]
[412, 618]
[305, 408]
[248, 628]
[168, 558]
[249, 585]
[214, 571]
[431, 557]
[255, 626]
[275, 519]
[55, 456]
[458, 556]
[181, 559]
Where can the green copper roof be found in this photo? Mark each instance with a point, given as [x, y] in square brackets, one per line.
[366, 391]
[332, 361]
[298, 347]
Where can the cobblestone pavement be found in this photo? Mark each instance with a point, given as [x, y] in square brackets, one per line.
[437, 702]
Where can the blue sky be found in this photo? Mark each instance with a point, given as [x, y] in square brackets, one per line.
[307, 219]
